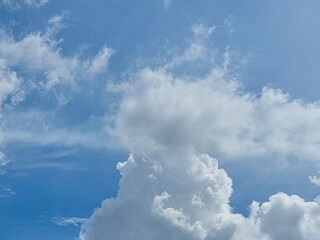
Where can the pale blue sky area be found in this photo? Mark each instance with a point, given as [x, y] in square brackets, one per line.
[62, 162]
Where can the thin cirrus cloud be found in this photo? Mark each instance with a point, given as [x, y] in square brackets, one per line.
[35, 3]
[65, 221]
[172, 187]
[9, 86]
[6, 192]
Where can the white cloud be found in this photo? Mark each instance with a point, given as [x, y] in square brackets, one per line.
[315, 180]
[39, 52]
[228, 21]
[3, 162]
[177, 121]
[201, 30]
[11, 4]
[288, 217]
[213, 115]
[39, 128]
[15, 5]
[40, 67]
[65, 221]
[58, 137]
[197, 54]
[9, 82]
[6, 192]
[164, 209]
[35, 3]
[9, 87]
[101, 61]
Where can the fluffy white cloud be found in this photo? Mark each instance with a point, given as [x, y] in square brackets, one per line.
[213, 115]
[171, 188]
[162, 207]
[39, 52]
[288, 217]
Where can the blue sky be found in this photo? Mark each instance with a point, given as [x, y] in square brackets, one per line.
[176, 84]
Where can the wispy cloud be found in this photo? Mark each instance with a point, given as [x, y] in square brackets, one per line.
[6, 192]
[35, 3]
[15, 5]
[315, 180]
[11, 4]
[59, 137]
[72, 221]
[100, 62]
[166, 3]
[9, 87]
[39, 54]
[4, 160]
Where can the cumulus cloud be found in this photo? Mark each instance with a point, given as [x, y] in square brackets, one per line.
[172, 187]
[163, 207]
[163, 109]
[288, 217]
[213, 115]
[39, 52]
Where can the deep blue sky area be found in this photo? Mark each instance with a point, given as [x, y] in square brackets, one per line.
[75, 186]
[61, 160]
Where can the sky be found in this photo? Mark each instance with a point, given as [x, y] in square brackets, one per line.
[159, 119]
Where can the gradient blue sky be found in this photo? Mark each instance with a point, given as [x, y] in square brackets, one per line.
[61, 160]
